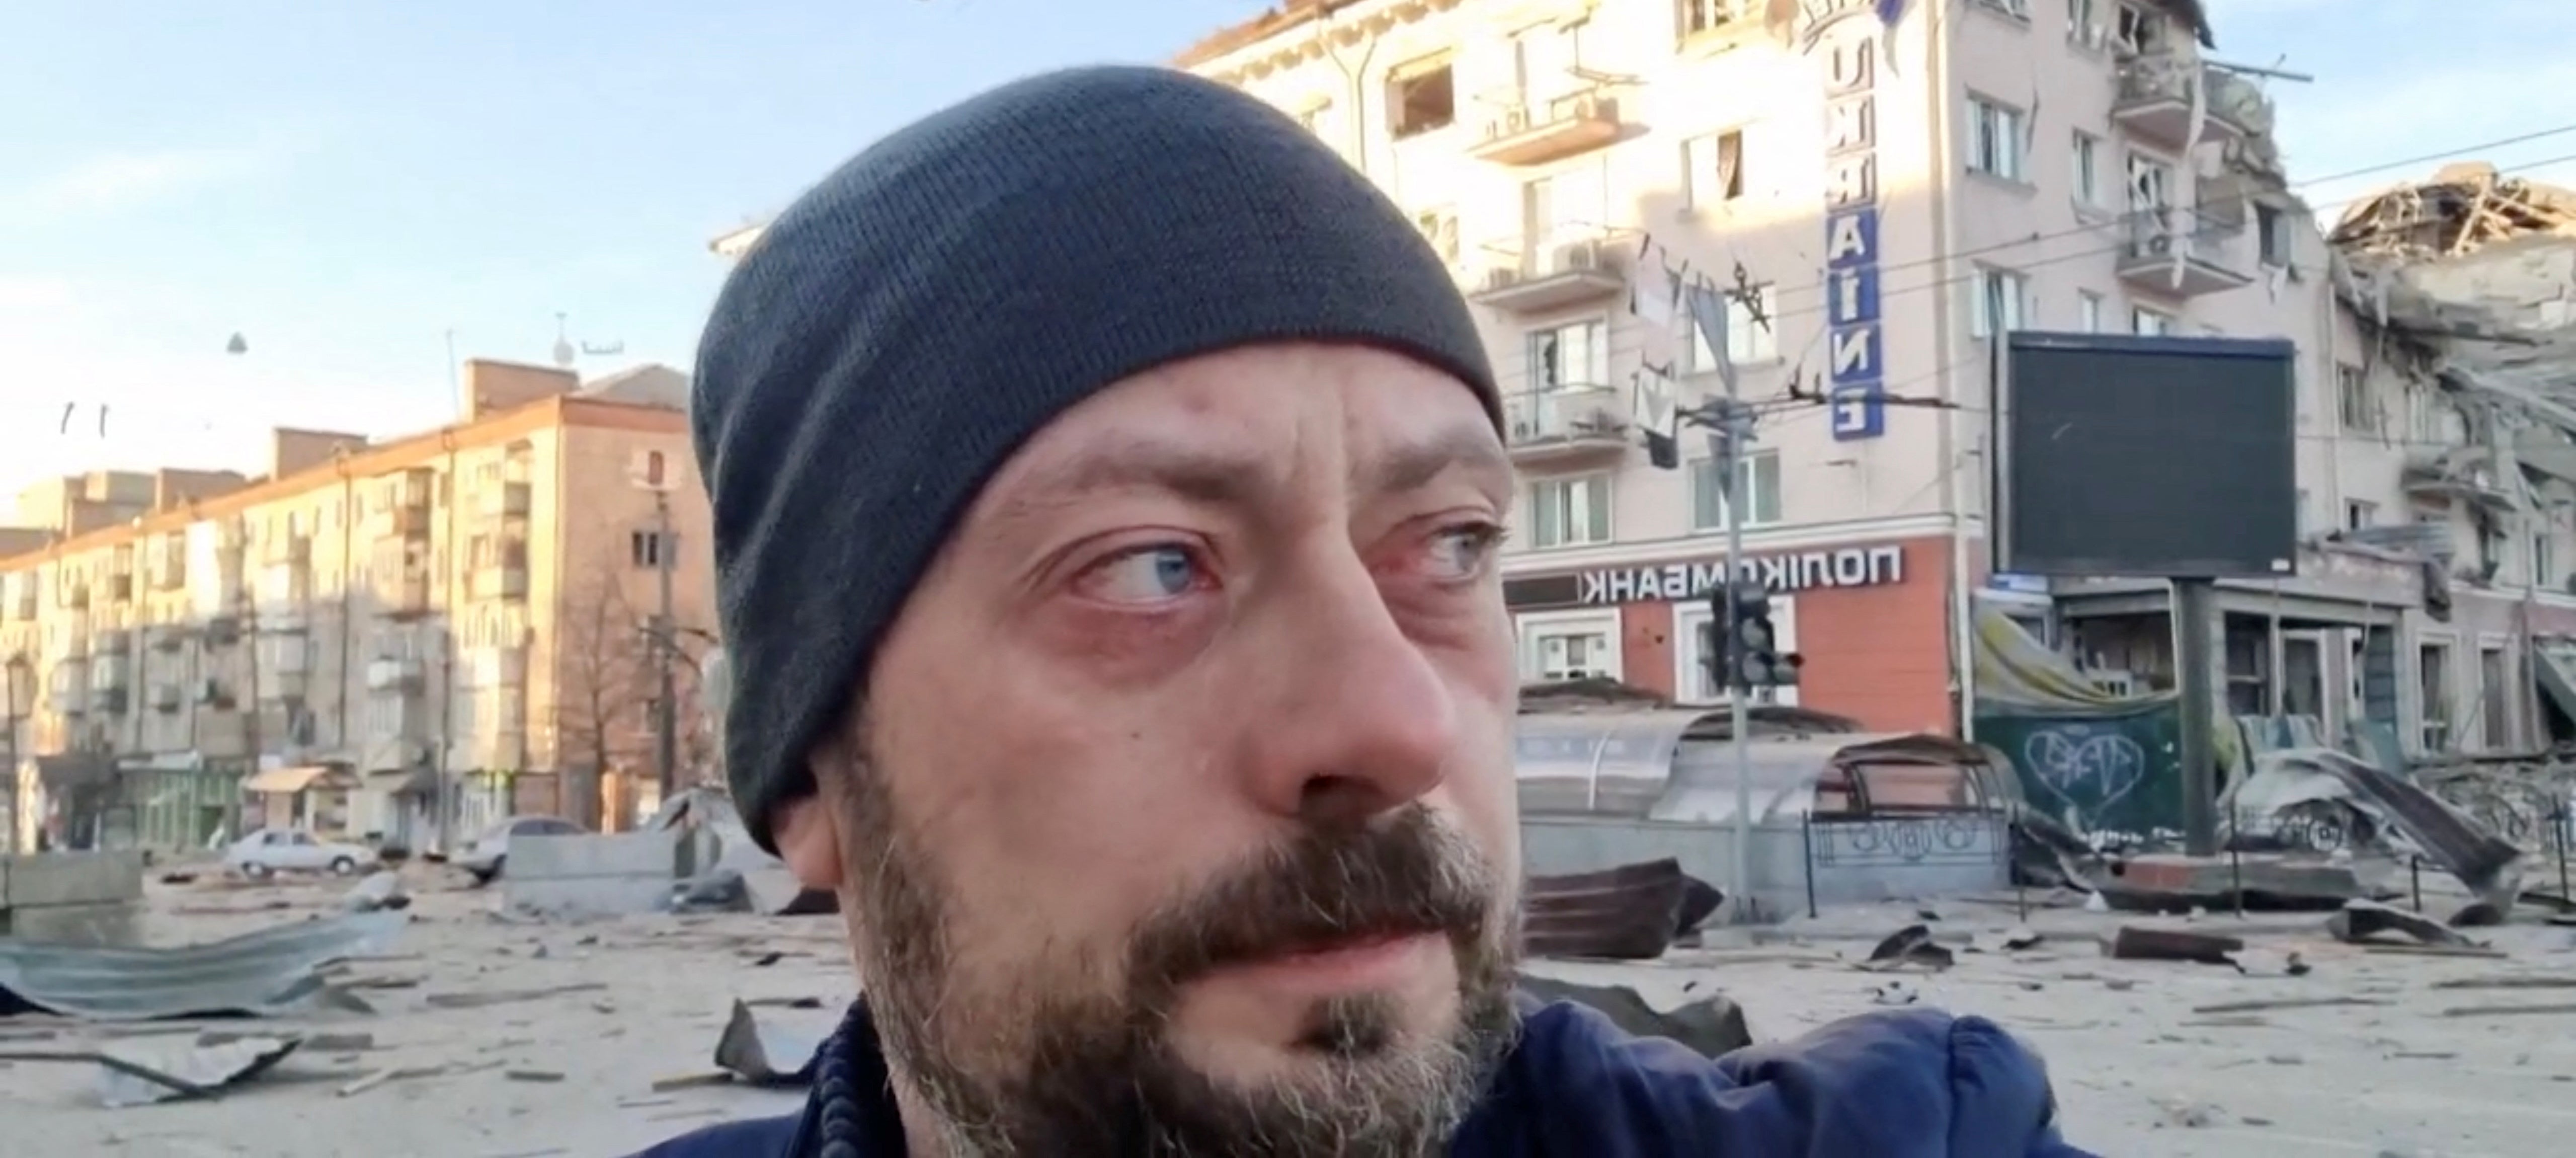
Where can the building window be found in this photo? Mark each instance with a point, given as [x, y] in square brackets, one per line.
[2495, 698]
[1757, 479]
[1569, 512]
[2544, 560]
[1690, 654]
[2433, 687]
[1421, 100]
[2272, 232]
[1569, 647]
[2088, 312]
[2353, 410]
[2358, 515]
[2147, 323]
[2141, 31]
[1998, 308]
[1752, 336]
[1570, 357]
[1712, 169]
[652, 550]
[1700, 17]
[1995, 136]
[1440, 228]
[2084, 22]
[2086, 158]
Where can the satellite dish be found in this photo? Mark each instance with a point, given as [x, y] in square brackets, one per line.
[237, 346]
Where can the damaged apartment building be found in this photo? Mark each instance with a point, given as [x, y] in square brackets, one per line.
[2436, 596]
[1886, 188]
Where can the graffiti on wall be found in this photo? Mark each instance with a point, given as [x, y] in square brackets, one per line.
[2089, 766]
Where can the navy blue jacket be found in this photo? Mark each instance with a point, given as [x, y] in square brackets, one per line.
[1914, 1083]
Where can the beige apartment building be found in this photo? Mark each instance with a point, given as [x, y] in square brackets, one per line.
[396, 640]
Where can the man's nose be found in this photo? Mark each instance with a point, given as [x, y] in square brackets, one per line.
[1360, 721]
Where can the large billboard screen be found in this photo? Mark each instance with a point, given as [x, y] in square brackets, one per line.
[2147, 457]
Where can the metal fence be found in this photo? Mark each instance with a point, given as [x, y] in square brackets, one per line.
[1938, 848]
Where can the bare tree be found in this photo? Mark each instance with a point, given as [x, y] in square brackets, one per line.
[603, 700]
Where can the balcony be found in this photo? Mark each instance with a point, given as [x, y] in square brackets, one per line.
[403, 522]
[1537, 132]
[401, 594]
[2179, 253]
[506, 500]
[394, 674]
[1561, 425]
[501, 583]
[1552, 275]
[2156, 98]
[168, 697]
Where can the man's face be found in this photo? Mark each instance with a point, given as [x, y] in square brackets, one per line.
[1179, 815]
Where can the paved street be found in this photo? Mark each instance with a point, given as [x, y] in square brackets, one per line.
[2147, 1068]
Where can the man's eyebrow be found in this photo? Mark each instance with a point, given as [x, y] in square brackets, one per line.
[1410, 466]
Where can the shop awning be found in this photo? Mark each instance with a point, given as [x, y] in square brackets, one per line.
[404, 781]
[287, 781]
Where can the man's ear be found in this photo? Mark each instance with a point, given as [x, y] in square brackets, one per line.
[808, 832]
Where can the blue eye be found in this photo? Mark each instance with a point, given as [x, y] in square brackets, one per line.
[1148, 574]
[1464, 552]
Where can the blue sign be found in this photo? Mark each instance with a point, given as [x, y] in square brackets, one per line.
[1856, 377]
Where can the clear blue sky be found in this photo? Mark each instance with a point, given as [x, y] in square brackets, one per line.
[344, 181]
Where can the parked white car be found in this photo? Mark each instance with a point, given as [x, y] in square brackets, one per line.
[295, 850]
[490, 852]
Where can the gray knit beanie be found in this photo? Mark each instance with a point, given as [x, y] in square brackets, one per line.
[901, 329]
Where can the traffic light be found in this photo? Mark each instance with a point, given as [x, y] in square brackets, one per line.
[1713, 638]
[1755, 659]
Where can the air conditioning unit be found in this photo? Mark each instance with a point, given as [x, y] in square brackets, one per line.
[1581, 255]
[1501, 277]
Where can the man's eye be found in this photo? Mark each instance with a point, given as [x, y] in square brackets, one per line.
[1464, 551]
[1145, 575]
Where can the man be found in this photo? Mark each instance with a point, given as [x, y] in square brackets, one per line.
[1107, 483]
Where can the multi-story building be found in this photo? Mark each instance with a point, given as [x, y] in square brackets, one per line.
[422, 632]
[1884, 188]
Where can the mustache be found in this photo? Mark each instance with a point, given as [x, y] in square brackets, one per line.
[1410, 874]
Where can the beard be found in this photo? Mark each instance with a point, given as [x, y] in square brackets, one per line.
[1044, 1057]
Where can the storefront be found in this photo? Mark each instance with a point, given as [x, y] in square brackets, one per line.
[1871, 620]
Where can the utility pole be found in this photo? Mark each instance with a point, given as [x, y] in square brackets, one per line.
[666, 717]
[1742, 615]
[247, 603]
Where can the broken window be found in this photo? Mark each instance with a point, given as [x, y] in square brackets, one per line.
[2354, 410]
[1998, 309]
[1995, 132]
[2086, 159]
[1713, 169]
[2141, 30]
[1421, 100]
[2272, 233]
[1699, 17]
[2433, 685]
[2494, 701]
